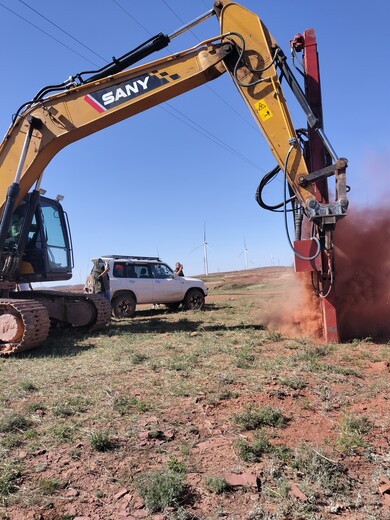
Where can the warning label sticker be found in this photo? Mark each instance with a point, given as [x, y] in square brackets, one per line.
[263, 109]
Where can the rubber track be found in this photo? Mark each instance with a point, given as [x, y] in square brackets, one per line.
[35, 320]
[103, 308]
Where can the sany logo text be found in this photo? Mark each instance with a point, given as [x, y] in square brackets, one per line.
[125, 91]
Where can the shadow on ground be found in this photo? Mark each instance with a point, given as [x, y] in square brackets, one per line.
[63, 342]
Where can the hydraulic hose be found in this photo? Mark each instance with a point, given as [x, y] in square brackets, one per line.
[308, 258]
[268, 177]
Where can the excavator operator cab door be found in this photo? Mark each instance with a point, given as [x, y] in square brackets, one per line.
[48, 252]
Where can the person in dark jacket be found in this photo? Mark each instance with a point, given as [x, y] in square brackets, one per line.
[101, 278]
[179, 269]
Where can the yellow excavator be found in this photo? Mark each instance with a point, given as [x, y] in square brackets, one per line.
[35, 241]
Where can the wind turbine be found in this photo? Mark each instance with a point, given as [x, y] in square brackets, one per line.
[245, 251]
[205, 259]
[205, 246]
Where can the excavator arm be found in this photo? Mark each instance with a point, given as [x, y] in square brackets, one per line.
[255, 75]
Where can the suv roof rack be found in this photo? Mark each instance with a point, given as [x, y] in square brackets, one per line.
[132, 257]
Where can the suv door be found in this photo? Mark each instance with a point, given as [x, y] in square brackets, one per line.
[132, 277]
[167, 287]
[141, 280]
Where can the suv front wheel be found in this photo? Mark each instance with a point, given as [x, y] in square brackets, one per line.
[123, 306]
[194, 300]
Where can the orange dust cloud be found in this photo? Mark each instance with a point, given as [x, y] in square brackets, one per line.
[298, 314]
[362, 284]
[362, 260]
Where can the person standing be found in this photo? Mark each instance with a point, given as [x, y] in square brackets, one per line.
[105, 281]
[101, 278]
[179, 269]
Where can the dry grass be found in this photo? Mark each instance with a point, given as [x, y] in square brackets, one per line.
[95, 414]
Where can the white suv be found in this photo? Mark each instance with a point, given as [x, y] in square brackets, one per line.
[145, 279]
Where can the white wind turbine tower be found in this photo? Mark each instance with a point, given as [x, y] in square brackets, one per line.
[205, 246]
[205, 259]
[245, 251]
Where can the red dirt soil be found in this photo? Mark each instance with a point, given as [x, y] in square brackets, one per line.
[207, 427]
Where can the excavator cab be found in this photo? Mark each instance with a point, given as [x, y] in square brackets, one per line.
[38, 245]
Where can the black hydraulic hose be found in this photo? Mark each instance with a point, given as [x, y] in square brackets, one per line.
[15, 116]
[12, 194]
[240, 59]
[156, 43]
[268, 177]
[285, 216]
[50, 88]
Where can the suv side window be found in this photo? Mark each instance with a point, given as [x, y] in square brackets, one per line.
[125, 270]
[142, 270]
[161, 271]
[130, 271]
[119, 270]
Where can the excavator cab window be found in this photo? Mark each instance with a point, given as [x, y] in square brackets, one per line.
[48, 252]
[57, 251]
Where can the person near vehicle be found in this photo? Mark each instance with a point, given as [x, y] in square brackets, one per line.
[101, 278]
[179, 269]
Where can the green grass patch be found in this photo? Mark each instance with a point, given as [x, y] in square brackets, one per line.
[293, 382]
[10, 472]
[326, 475]
[13, 422]
[73, 406]
[253, 418]
[125, 406]
[27, 386]
[252, 452]
[352, 434]
[101, 441]
[216, 485]
[48, 486]
[161, 489]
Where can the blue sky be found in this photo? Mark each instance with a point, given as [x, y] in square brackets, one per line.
[151, 184]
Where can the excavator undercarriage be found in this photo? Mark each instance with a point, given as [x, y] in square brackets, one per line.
[26, 318]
